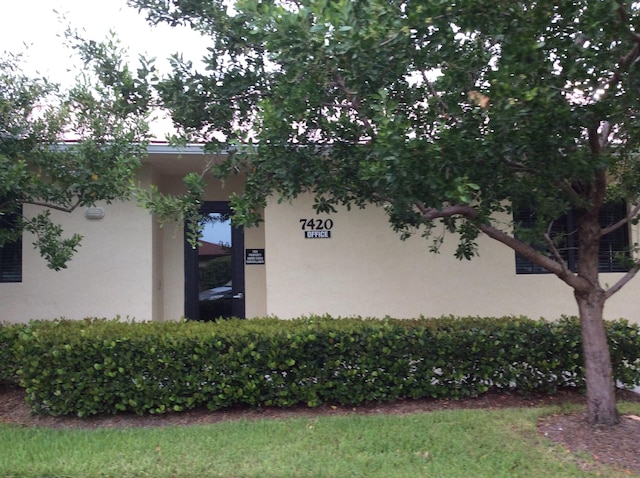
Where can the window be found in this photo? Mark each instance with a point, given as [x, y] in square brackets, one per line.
[11, 252]
[613, 246]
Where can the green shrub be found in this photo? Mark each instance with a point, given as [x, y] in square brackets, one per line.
[9, 362]
[106, 366]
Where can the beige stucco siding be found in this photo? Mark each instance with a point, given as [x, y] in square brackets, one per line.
[130, 265]
[111, 274]
[365, 269]
[255, 275]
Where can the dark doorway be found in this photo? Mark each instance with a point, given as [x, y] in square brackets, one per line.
[214, 271]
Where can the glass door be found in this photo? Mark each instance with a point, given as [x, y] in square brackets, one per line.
[214, 282]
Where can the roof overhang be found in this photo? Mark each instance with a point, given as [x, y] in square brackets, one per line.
[179, 160]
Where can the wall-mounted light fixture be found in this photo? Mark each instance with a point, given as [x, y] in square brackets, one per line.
[94, 213]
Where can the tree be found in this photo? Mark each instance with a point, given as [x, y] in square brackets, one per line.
[439, 111]
[60, 150]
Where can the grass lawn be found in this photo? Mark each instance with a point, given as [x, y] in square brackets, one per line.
[458, 443]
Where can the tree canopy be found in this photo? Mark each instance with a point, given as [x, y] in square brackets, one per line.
[64, 149]
[435, 110]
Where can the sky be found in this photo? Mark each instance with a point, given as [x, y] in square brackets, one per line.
[37, 28]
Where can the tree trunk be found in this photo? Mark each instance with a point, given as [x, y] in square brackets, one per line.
[601, 399]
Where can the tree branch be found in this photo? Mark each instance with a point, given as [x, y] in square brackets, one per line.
[520, 167]
[353, 102]
[552, 246]
[599, 136]
[600, 190]
[594, 139]
[443, 106]
[577, 283]
[604, 133]
[625, 220]
[621, 283]
[431, 213]
[52, 206]
[623, 63]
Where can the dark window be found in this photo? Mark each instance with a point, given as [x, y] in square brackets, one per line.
[11, 252]
[614, 247]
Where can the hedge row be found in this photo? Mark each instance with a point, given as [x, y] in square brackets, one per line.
[9, 335]
[106, 366]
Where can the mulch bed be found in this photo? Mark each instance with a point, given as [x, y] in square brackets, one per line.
[618, 446]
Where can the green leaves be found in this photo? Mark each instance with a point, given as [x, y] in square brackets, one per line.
[104, 112]
[99, 366]
[414, 107]
[55, 249]
[184, 208]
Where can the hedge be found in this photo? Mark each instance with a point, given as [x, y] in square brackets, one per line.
[9, 336]
[107, 366]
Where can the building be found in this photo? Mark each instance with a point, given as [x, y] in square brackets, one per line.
[296, 263]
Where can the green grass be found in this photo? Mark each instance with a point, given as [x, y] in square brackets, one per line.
[462, 443]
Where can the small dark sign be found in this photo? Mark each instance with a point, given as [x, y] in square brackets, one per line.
[254, 256]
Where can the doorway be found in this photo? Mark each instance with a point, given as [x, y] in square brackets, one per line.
[214, 271]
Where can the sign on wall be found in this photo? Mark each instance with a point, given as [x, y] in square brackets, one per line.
[254, 256]
[316, 228]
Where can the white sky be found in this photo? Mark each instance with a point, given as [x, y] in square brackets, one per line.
[36, 28]
[36, 24]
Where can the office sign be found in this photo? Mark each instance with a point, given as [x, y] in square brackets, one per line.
[316, 228]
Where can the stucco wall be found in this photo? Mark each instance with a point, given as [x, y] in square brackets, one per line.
[110, 274]
[130, 266]
[365, 269]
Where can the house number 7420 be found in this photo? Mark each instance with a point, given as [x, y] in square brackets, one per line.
[316, 224]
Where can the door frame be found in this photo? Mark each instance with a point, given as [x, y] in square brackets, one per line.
[191, 272]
